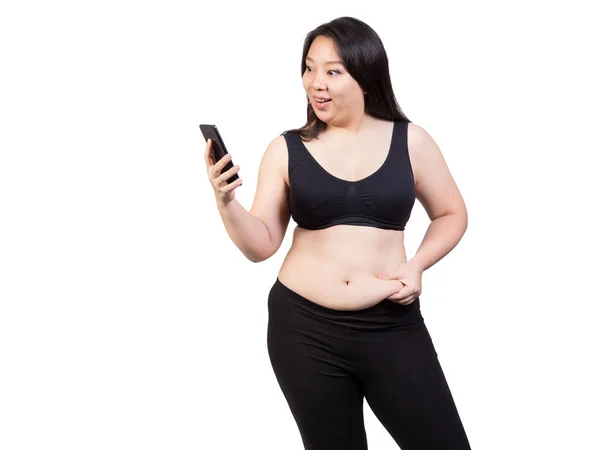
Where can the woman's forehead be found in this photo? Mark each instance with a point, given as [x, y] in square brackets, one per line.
[323, 50]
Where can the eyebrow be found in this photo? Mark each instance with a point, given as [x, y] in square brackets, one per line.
[326, 62]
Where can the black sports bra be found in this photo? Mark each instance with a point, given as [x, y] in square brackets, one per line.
[318, 199]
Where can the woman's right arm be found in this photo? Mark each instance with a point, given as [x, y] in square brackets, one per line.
[258, 233]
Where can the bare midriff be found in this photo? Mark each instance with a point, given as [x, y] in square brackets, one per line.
[337, 267]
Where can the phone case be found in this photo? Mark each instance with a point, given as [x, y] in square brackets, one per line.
[218, 147]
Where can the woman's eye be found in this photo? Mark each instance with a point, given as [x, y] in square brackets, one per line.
[329, 72]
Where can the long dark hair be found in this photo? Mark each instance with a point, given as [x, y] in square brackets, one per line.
[364, 57]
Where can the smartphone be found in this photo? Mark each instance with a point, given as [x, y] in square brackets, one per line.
[218, 148]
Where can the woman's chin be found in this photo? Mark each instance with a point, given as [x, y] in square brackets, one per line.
[324, 116]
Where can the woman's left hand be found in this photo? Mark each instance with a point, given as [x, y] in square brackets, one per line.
[410, 276]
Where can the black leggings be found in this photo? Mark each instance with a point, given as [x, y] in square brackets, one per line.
[327, 361]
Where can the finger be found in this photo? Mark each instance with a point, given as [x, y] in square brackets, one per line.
[390, 276]
[401, 300]
[208, 154]
[227, 174]
[410, 298]
[402, 294]
[407, 301]
[220, 164]
[231, 186]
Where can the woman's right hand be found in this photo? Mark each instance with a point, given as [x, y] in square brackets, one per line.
[224, 192]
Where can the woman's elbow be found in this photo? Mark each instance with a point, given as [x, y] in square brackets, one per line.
[256, 259]
[259, 256]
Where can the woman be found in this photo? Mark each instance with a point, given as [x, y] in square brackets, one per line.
[344, 316]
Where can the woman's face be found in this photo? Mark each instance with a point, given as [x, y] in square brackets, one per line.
[335, 96]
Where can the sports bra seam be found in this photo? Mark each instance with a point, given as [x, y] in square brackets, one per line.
[347, 216]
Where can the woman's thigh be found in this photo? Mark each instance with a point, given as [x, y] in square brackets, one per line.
[325, 399]
[407, 391]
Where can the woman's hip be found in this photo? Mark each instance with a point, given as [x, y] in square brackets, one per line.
[288, 310]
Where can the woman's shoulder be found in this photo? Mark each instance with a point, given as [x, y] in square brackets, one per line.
[278, 144]
[415, 128]
[279, 141]
[417, 137]
[275, 158]
[277, 149]
[289, 138]
[289, 134]
[424, 152]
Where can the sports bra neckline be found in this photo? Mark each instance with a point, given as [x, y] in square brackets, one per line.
[379, 169]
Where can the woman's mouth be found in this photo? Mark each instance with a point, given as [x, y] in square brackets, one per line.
[321, 103]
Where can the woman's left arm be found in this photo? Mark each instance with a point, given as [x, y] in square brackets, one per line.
[441, 199]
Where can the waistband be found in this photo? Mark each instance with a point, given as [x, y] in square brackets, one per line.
[386, 311]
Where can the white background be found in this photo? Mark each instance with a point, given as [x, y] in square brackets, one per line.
[128, 319]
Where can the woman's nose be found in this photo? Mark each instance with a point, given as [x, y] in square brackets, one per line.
[318, 82]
